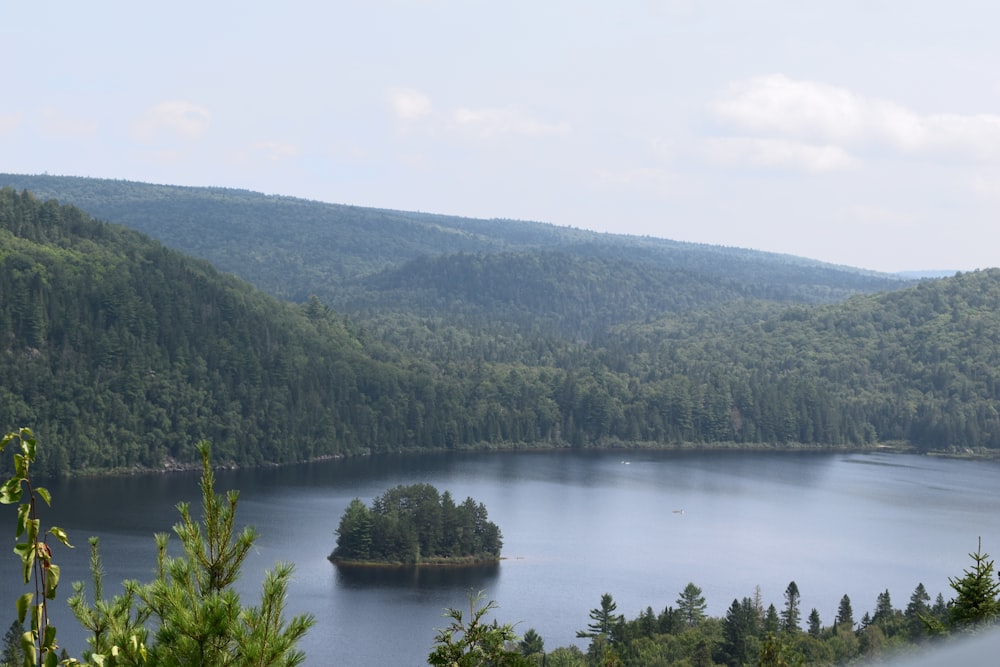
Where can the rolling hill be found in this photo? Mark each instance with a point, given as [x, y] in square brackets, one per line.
[127, 352]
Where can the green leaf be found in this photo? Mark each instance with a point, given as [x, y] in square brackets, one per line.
[51, 581]
[29, 446]
[45, 495]
[51, 659]
[10, 492]
[28, 646]
[36, 618]
[60, 535]
[23, 512]
[49, 644]
[26, 550]
[22, 606]
[20, 466]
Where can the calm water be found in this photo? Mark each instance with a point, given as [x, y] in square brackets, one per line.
[575, 526]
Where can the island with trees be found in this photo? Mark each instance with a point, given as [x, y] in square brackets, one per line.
[416, 525]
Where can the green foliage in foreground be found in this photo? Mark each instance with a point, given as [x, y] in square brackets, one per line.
[470, 641]
[196, 617]
[416, 524]
[750, 636]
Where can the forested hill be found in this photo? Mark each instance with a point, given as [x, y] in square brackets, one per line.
[293, 248]
[120, 352]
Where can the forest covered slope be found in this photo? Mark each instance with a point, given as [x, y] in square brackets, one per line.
[294, 248]
[126, 353]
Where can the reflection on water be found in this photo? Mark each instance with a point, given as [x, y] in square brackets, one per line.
[466, 577]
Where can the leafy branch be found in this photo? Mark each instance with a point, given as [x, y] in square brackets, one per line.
[39, 643]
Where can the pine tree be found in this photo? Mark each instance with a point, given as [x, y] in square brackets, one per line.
[772, 622]
[692, 605]
[11, 653]
[470, 641]
[603, 620]
[845, 614]
[741, 628]
[790, 615]
[918, 612]
[201, 620]
[814, 623]
[975, 601]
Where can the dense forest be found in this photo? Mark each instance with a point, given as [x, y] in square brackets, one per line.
[416, 525]
[294, 248]
[113, 336]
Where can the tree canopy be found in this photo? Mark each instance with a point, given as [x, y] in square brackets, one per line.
[414, 525]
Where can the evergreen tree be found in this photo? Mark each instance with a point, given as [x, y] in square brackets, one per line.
[917, 612]
[473, 642]
[790, 615]
[603, 621]
[814, 623]
[532, 643]
[201, 620]
[845, 614]
[772, 622]
[940, 609]
[886, 617]
[11, 653]
[691, 604]
[740, 628]
[976, 592]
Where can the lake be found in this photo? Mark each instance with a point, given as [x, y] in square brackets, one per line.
[575, 525]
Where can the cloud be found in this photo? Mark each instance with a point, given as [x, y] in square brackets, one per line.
[777, 153]
[486, 123]
[408, 104]
[820, 113]
[174, 117]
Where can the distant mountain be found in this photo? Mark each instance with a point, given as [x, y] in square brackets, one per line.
[920, 275]
[376, 261]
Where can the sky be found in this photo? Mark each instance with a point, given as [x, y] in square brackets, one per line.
[862, 133]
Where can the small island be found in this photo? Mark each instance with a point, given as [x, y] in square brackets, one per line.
[415, 525]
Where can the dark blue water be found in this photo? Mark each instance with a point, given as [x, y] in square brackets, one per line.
[575, 525]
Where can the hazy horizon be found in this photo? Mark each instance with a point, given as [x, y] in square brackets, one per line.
[853, 133]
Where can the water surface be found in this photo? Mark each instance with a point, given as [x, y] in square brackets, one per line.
[575, 525]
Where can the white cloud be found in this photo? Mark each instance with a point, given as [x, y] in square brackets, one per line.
[777, 153]
[180, 119]
[776, 105]
[486, 123]
[408, 104]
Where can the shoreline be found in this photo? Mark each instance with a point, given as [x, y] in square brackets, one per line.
[898, 447]
[433, 563]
